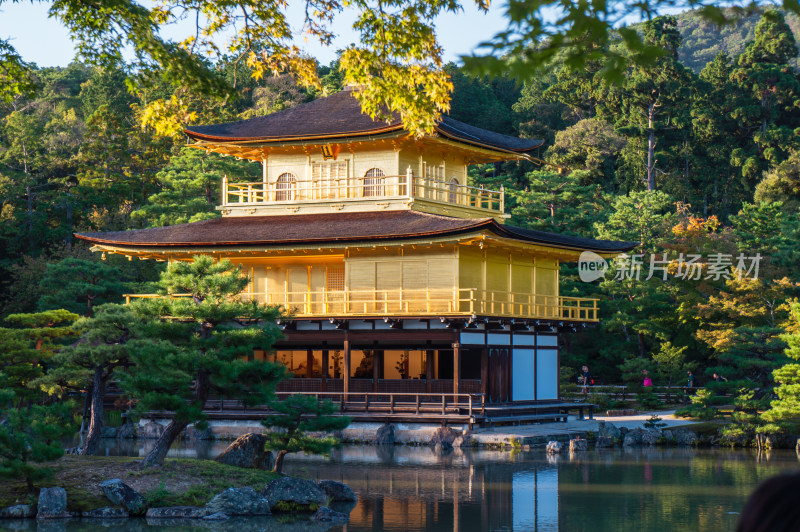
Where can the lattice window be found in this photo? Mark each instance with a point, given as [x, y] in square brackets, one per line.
[373, 182]
[329, 179]
[285, 187]
[433, 172]
[334, 280]
[452, 190]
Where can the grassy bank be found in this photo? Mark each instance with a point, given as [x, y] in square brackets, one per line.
[179, 482]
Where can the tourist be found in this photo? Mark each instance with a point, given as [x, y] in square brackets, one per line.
[719, 378]
[772, 507]
[647, 382]
[585, 379]
[691, 382]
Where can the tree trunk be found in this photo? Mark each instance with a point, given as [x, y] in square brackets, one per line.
[159, 451]
[279, 461]
[96, 421]
[651, 164]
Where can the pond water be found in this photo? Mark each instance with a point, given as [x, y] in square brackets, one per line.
[413, 489]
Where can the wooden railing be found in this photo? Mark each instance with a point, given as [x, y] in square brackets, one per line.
[423, 302]
[360, 188]
[381, 403]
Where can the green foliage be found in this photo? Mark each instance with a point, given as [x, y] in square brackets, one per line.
[79, 285]
[190, 188]
[201, 342]
[654, 422]
[31, 434]
[295, 418]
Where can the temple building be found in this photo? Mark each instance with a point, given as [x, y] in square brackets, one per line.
[402, 282]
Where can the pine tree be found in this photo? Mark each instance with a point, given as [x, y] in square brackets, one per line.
[197, 345]
[90, 363]
[295, 418]
[29, 432]
[784, 412]
[78, 285]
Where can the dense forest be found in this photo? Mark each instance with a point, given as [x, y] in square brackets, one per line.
[694, 154]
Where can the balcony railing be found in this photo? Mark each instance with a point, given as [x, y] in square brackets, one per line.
[352, 189]
[445, 302]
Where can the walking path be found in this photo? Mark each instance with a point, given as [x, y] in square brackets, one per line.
[542, 433]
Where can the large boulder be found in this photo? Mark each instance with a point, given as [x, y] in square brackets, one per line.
[577, 445]
[632, 438]
[246, 451]
[19, 511]
[444, 437]
[650, 436]
[238, 501]
[337, 491]
[326, 515]
[123, 495]
[52, 504]
[604, 442]
[192, 433]
[289, 494]
[151, 431]
[684, 438]
[608, 430]
[554, 447]
[126, 432]
[384, 435]
[177, 512]
[107, 512]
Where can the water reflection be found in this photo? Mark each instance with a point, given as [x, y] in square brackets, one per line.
[415, 488]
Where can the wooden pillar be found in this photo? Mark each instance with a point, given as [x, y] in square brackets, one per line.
[484, 372]
[325, 362]
[456, 368]
[377, 359]
[346, 376]
[309, 363]
[429, 354]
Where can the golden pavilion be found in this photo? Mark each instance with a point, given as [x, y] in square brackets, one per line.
[402, 283]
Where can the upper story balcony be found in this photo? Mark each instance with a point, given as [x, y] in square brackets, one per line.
[374, 191]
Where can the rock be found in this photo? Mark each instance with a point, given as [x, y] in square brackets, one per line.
[668, 435]
[445, 437]
[109, 432]
[326, 515]
[384, 435]
[604, 442]
[246, 451]
[779, 441]
[608, 430]
[126, 432]
[177, 512]
[554, 447]
[19, 511]
[578, 444]
[123, 495]
[106, 512]
[238, 501]
[219, 516]
[288, 494]
[684, 437]
[632, 438]
[151, 431]
[193, 433]
[337, 491]
[52, 504]
[650, 436]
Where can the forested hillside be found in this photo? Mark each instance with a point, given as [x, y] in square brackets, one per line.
[702, 40]
[693, 160]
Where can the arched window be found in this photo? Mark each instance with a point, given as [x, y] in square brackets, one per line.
[285, 187]
[373, 182]
[452, 190]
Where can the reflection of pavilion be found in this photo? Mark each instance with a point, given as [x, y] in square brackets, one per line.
[402, 278]
[413, 488]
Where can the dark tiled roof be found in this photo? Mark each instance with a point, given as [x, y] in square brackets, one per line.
[332, 228]
[340, 116]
